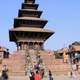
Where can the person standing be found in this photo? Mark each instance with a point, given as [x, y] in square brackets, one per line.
[37, 76]
[74, 70]
[43, 77]
[4, 73]
[31, 76]
[50, 75]
[0, 75]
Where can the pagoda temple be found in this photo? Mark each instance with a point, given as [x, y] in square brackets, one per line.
[29, 34]
[28, 31]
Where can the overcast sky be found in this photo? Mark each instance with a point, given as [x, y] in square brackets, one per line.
[63, 17]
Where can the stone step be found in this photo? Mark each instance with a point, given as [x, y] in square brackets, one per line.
[59, 77]
[55, 65]
[18, 78]
[16, 73]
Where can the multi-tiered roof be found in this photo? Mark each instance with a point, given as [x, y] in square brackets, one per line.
[28, 29]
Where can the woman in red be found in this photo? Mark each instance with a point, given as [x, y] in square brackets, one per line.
[37, 76]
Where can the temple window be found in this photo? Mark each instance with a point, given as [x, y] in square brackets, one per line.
[59, 55]
[6, 55]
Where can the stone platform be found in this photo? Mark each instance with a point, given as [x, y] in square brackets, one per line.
[16, 63]
[60, 77]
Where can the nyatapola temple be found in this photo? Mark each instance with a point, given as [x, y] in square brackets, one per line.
[29, 34]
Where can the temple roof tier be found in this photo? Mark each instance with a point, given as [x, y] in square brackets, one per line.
[29, 6]
[30, 40]
[29, 22]
[29, 1]
[29, 13]
[37, 33]
[31, 29]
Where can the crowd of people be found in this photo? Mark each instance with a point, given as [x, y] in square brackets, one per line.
[39, 71]
[40, 75]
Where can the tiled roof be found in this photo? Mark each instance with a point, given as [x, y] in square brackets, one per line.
[76, 47]
[3, 49]
[31, 29]
[30, 10]
[31, 18]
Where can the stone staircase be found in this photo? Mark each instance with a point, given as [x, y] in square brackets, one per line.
[18, 64]
[30, 59]
[15, 64]
[57, 66]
